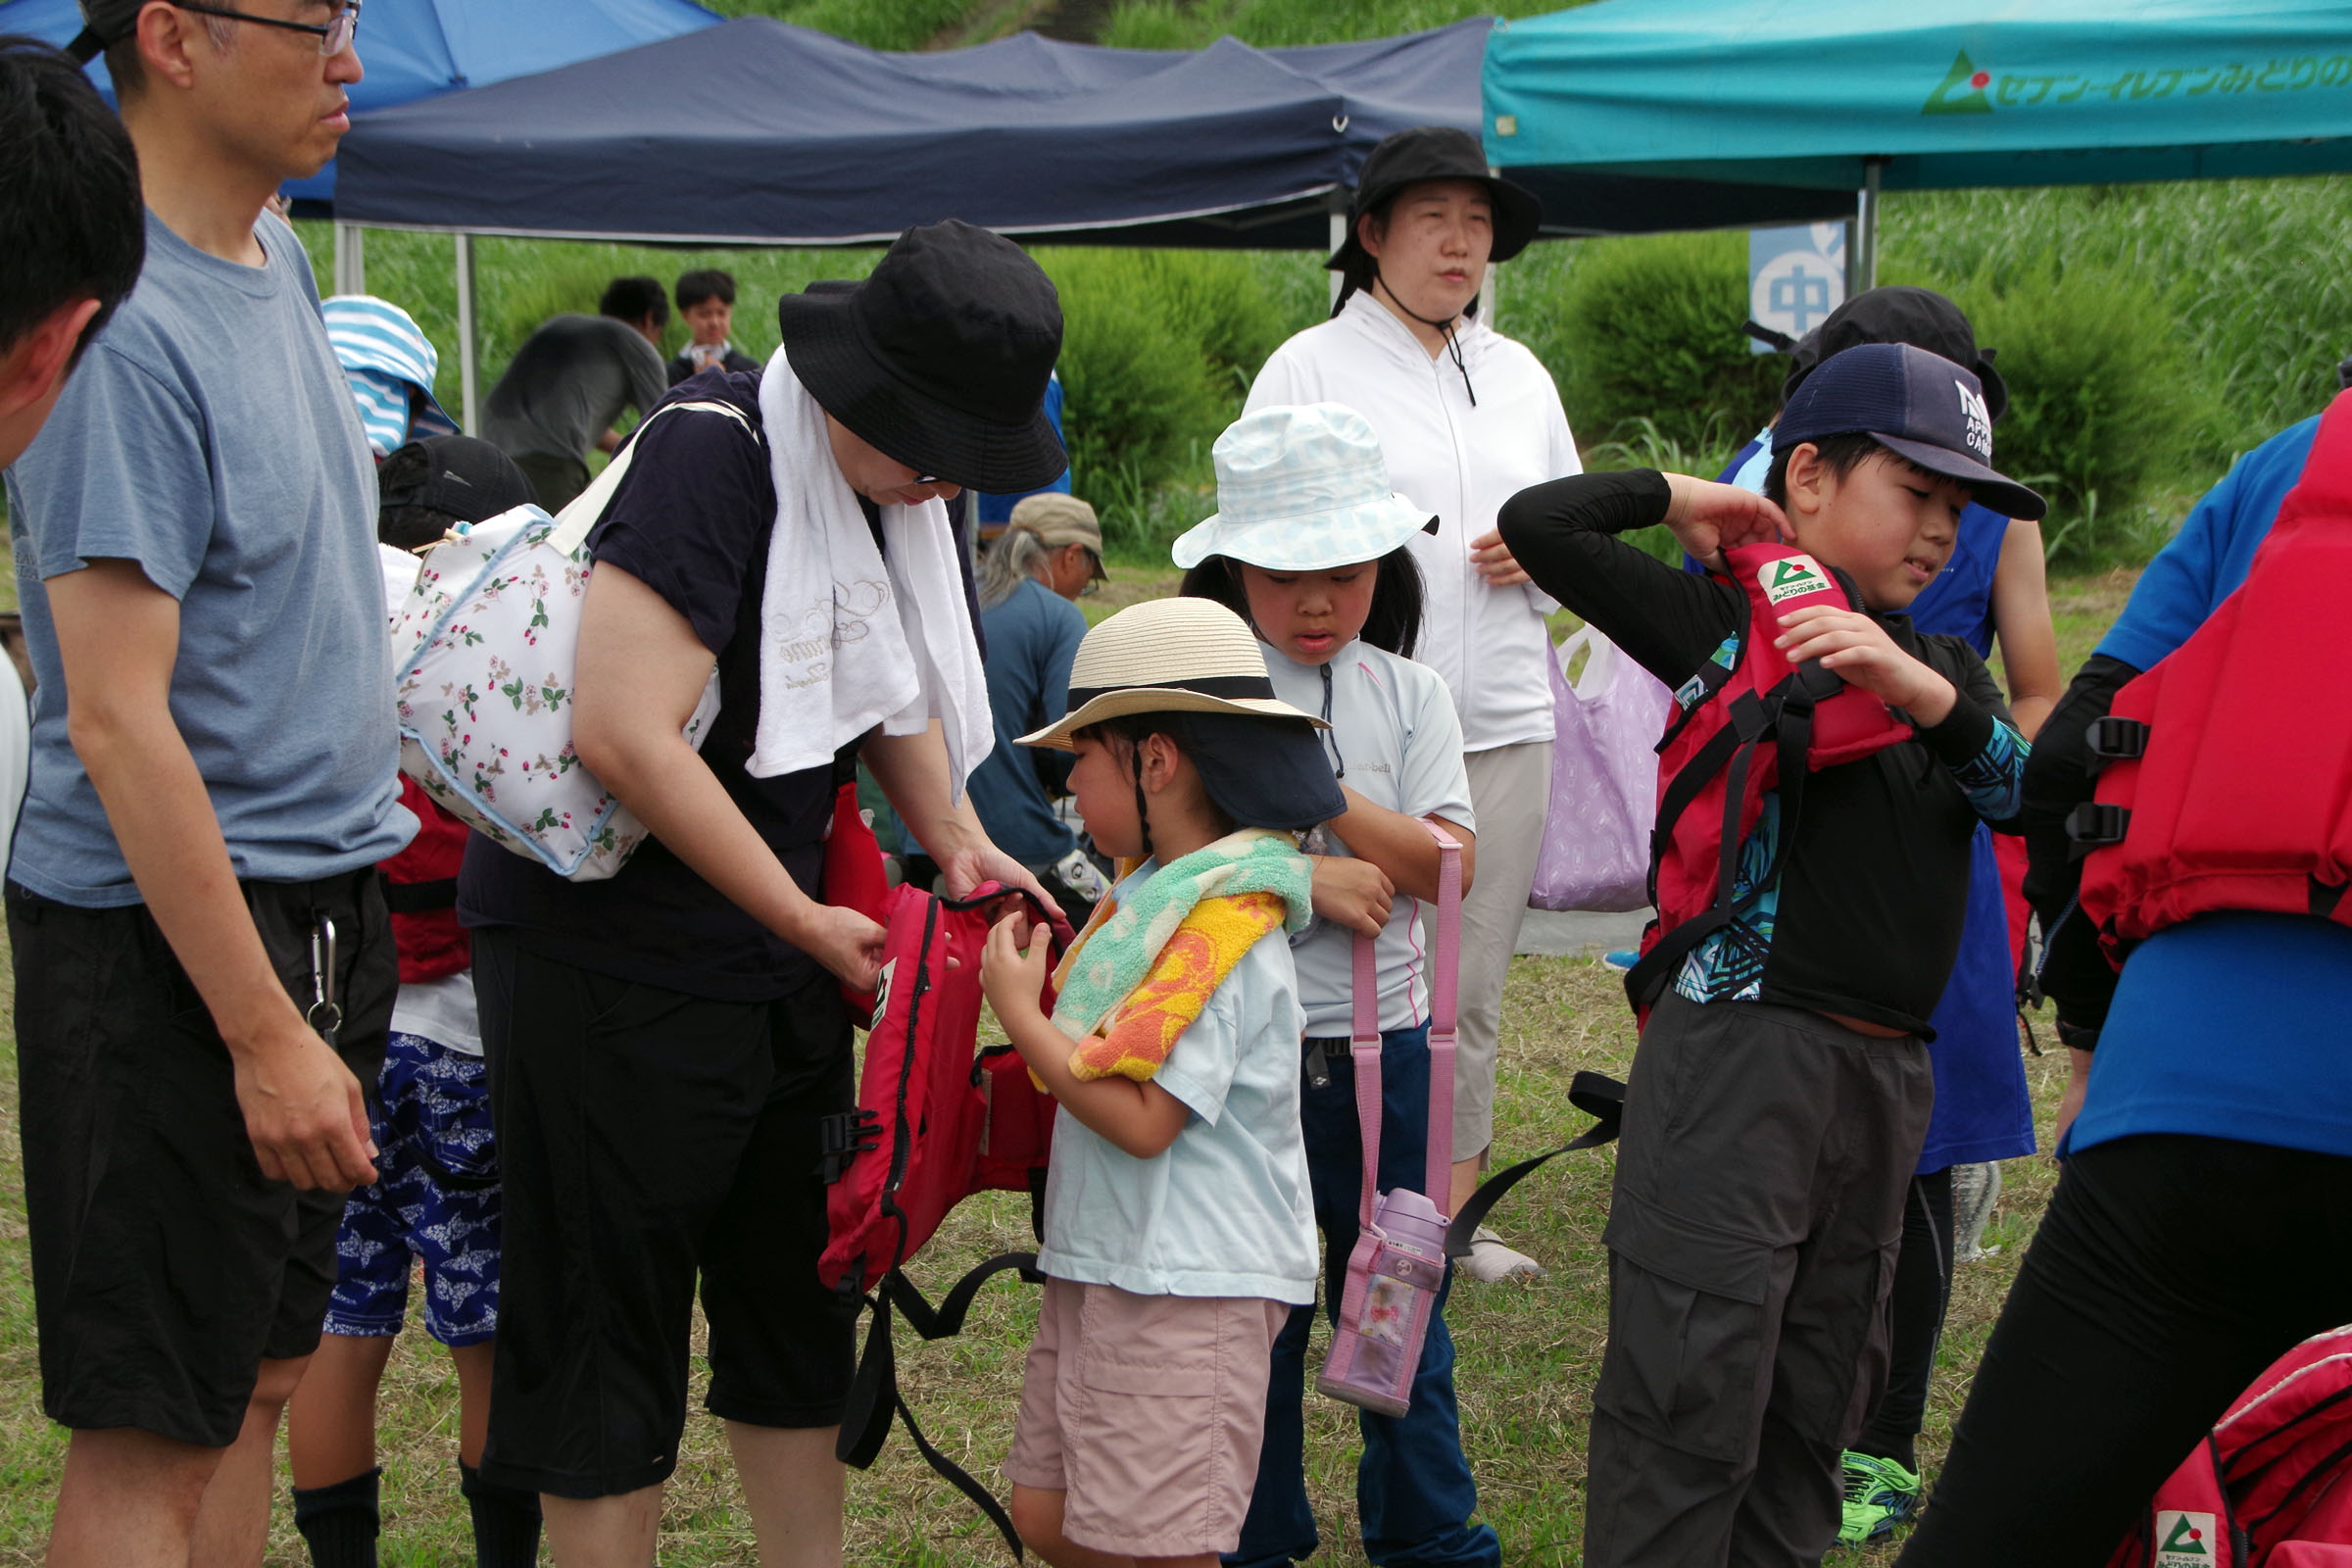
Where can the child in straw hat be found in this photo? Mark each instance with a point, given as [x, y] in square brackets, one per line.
[1179, 1231]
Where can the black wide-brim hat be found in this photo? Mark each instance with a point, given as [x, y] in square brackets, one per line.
[940, 358]
[1437, 152]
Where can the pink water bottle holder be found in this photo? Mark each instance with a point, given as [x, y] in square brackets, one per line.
[1398, 1265]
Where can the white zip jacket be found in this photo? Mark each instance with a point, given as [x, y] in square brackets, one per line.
[1461, 461]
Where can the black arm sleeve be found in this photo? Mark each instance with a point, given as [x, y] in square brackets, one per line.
[1669, 621]
[2075, 972]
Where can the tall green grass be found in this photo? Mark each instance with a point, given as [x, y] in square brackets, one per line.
[876, 24]
[1272, 24]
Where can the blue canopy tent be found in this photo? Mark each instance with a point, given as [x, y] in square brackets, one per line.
[1724, 98]
[757, 132]
[411, 49]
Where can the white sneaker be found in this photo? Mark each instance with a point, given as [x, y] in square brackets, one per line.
[1490, 1260]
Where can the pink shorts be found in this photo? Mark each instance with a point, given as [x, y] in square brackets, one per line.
[1148, 1412]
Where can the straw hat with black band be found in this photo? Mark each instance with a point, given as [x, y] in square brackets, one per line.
[1196, 665]
[939, 359]
[1416, 157]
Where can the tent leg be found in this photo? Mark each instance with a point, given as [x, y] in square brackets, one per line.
[1865, 252]
[468, 417]
[1488, 287]
[351, 260]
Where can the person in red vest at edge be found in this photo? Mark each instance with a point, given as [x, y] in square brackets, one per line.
[435, 1198]
[2202, 1223]
[1781, 1090]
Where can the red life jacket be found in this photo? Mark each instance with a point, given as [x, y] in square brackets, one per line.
[1745, 727]
[2271, 1484]
[2227, 780]
[937, 1120]
[422, 890]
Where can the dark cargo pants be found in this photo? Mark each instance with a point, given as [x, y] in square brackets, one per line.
[1753, 1234]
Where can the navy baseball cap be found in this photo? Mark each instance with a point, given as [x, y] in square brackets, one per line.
[1918, 405]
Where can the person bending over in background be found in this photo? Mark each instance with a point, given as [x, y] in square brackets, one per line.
[569, 381]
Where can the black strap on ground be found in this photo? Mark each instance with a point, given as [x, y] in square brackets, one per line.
[875, 1398]
[1595, 1094]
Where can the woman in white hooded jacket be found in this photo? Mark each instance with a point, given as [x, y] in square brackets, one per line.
[1467, 417]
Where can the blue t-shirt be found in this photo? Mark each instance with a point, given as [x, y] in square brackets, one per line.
[994, 512]
[210, 436]
[1031, 636]
[2231, 1025]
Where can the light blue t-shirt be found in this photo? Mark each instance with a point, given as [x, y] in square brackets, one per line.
[1225, 1209]
[1394, 740]
[209, 435]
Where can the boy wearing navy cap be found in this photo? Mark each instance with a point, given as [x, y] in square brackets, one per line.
[1781, 1089]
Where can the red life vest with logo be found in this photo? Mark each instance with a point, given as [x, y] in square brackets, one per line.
[2272, 1483]
[2227, 781]
[1747, 723]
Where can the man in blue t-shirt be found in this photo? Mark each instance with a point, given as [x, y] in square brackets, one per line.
[2203, 1222]
[1030, 581]
[204, 963]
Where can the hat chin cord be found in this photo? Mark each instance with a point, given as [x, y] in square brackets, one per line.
[1453, 344]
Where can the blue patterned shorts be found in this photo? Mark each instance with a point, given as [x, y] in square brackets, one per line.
[435, 1201]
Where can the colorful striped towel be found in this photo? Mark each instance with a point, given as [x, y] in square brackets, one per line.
[1141, 972]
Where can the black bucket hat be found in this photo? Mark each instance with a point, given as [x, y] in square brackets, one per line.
[1919, 406]
[1898, 313]
[939, 357]
[1422, 154]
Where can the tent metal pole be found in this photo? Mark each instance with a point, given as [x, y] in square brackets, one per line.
[1489, 286]
[1867, 220]
[351, 260]
[468, 417]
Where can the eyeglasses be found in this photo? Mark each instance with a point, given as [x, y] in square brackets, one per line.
[334, 35]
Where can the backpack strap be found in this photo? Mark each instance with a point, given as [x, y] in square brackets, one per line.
[577, 521]
[1443, 1007]
[1599, 1095]
[874, 1400]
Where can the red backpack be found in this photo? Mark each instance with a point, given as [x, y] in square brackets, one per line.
[937, 1120]
[1749, 721]
[2226, 785]
[2271, 1486]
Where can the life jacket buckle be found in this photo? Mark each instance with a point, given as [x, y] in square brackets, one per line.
[2097, 822]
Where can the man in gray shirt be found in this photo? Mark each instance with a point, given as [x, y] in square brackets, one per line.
[569, 381]
[203, 958]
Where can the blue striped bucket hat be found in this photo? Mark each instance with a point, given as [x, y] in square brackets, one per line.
[1301, 488]
[388, 359]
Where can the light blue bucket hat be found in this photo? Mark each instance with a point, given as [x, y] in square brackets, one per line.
[1301, 488]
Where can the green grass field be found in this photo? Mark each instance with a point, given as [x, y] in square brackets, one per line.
[1529, 1351]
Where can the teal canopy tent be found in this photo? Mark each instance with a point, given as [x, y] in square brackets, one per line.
[1633, 115]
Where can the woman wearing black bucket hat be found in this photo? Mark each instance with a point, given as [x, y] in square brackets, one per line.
[1466, 417]
[665, 1042]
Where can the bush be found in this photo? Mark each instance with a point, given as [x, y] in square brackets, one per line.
[1647, 329]
[2099, 411]
[1142, 401]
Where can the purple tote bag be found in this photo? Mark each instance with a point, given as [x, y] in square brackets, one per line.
[1604, 780]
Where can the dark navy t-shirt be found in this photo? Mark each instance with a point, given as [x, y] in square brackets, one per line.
[691, 520]
[2231, 1025]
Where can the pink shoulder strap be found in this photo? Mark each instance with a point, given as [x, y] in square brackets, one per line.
[1364, 1038]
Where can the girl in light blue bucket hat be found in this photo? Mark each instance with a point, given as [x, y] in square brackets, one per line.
[1309, 545]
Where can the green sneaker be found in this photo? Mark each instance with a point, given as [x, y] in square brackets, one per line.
[1880, 1494]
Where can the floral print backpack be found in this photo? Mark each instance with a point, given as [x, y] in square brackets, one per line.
[483, 648]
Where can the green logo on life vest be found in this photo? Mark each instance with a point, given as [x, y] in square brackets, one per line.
[1793, 578]
[2186, 1539]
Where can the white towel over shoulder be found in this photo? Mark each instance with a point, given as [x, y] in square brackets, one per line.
[851, 636]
